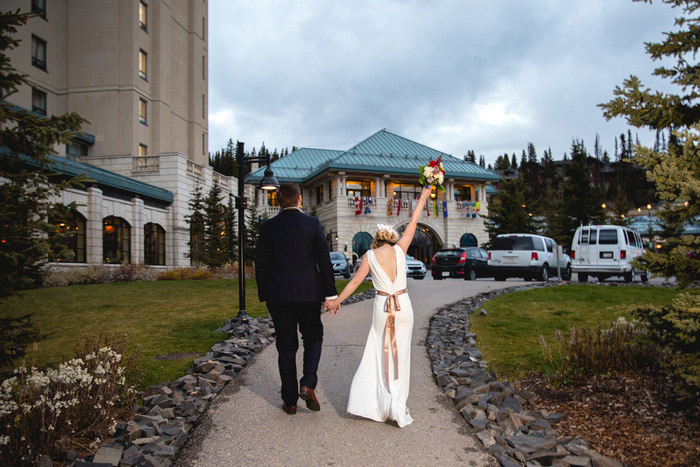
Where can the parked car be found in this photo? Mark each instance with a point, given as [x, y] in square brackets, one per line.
[606, 251]
[468, 263]
[415, 268]
[341, 265]
[528, 256]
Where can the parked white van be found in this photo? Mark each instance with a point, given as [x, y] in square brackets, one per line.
[605, 251]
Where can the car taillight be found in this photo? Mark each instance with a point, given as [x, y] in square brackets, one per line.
[434, 262]
[573, 255]
[623, 254]
[462, 258]
[534, 256]
[489, 255]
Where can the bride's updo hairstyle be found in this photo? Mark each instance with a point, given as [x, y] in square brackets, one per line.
[386, 235]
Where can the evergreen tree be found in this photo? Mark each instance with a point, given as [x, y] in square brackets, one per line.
[580, 200]
[29, 187]
[195, 219]
[215, 244]
[514, 162]
[531, 153]
[502, 162]
[470, 157]
[254, 220]
[509, 211]
[231, 238]
[482, 161]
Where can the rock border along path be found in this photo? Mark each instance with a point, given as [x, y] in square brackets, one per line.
[495, 410]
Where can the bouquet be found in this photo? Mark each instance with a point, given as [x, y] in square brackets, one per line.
[432, 174]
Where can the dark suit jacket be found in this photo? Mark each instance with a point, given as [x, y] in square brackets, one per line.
[292, 261]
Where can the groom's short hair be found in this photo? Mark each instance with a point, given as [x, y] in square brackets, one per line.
[288, 194]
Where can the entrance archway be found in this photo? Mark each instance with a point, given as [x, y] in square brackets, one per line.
[361, 242]
[468, 240]
[424, 245]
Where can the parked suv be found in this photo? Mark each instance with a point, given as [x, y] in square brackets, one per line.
[468, 263]
[605, 251]
[528, 256]
[341, 265]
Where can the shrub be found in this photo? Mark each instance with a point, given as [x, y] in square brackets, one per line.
[98, 275]
[586, 351]
[183, 274]
[15, 335]
[47, 412]
[677, 327]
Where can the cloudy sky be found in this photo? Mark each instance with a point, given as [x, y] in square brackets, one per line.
[489, 75]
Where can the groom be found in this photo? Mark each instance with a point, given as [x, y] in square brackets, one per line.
[294, 275]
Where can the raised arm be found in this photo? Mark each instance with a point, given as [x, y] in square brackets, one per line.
[405, 240]
[356, 280]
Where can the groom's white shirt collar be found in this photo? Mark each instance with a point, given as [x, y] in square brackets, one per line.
[299, 209]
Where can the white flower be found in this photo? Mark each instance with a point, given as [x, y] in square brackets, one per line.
[4, 440]
[388, 228]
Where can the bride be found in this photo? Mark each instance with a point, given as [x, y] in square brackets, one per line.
[379, 389]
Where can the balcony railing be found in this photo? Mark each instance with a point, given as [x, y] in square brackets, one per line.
[145, 163]
[221, 180]
[195, 169]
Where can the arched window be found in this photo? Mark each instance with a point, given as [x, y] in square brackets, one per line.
[71, 228]
[153, 244]
[361, 242]
[468, 240]
[116, 240]
[424, 244]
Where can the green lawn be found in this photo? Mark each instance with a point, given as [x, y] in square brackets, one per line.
[508, 336]
[162, 317]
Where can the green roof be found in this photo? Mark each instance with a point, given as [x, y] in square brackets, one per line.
[383, 152]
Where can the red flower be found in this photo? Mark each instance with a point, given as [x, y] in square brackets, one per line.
[433, 163]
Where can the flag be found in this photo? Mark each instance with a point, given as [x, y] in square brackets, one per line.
[437, 213]
[444, 209]
[358, 205]
[398, 208]
[388, 207]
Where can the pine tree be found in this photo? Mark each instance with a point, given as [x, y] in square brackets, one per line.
[580, 200]
[215, 244]
[195, 219]
[514, 162]
[482, 161]
[470, 157]
[509, 211]
[231, 238]
[254, 220]
[531, 153]
[28, 189]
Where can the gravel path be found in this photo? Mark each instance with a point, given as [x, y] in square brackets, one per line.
[246, 426]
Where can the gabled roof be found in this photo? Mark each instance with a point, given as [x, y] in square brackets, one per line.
[382, 153]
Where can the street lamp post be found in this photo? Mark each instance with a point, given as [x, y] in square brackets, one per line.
[651, 241]
[268, 182]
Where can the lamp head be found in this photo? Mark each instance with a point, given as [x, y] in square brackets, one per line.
[269, 182]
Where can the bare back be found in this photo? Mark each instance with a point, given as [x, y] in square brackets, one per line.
[386, 257]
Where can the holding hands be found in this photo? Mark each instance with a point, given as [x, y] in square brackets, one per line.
[332, 306]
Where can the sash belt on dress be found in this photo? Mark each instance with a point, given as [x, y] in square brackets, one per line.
[390, 306]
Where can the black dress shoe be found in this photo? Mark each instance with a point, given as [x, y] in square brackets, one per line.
[290, 410]
[307, 395]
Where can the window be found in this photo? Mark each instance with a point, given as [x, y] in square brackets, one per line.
[406, 191]
[204, 67]
[204, 106]
[607, 237]
[71, 231]
[513, 244]
[39, 53]
[463, 193]
[153, 244]
[550, 245]
[204, 143]
[143, 114]
[143, 16]
[116, 241]
[38, 101]
[357, 188]
[204, 28]
[143, 150]
[143, 58]
[593, 238]
[272, 197]
[74, 150]
[319, 194]
[39, 7]
[583, 238]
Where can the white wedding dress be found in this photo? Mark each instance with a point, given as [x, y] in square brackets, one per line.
[369, 395]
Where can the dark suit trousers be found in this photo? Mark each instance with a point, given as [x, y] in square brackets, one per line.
[286, 316]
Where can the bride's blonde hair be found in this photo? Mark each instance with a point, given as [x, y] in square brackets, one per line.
[386, 235]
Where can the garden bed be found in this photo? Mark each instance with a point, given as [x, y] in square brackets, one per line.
[630, 418]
